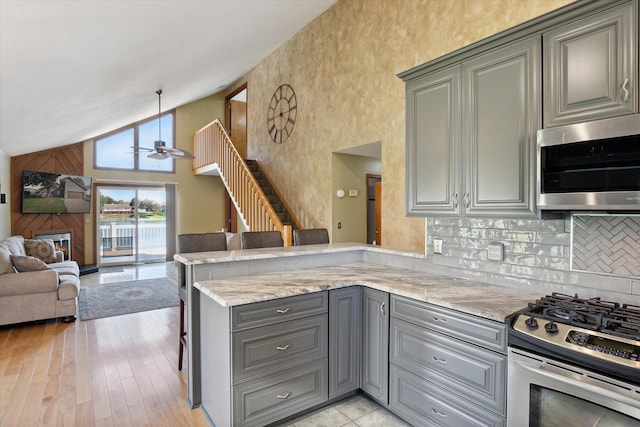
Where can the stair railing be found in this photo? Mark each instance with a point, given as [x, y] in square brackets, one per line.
[212, 148]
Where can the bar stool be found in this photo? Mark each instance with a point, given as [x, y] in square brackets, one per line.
[261, 239]
[189, 243]
[310, 236]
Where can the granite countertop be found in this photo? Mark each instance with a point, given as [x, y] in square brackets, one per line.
[266, 253]
[477, 298]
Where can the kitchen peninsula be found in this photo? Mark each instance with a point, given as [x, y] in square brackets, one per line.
[263, 322]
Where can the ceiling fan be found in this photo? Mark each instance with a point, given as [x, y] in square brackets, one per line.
[160, 151]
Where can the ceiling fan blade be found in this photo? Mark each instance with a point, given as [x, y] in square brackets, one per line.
[138, 149]
[177, 153]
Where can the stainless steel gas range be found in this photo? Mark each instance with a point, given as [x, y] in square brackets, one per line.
[574, 362]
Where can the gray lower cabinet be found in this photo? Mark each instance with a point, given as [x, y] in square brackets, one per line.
[264, 361]
[591, 67]
[269, 399]
[441, 372]
[344, 340]
[423, 403]
[374, 367]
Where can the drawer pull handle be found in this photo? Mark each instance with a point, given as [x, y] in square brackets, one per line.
[437, 319]
[283, 310]
[382, 309]
[438, 413]
[437, 359]
[284, 396]
[625, 99]
[283, 348]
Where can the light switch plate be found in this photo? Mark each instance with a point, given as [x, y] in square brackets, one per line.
[437, 246]
[495, 252]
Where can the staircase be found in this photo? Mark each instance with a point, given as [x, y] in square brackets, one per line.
[257, 201]
[274, 198]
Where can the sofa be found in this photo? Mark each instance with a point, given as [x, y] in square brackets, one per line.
[35, 282]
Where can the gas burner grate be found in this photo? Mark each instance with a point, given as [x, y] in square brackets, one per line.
[589, 313]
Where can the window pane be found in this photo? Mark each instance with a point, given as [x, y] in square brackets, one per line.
[148, 134]
[115, 151]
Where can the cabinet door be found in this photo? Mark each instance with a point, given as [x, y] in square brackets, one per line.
[588, 66]
[374, 374]
[344, 340]
[501, 118]
[432, 143]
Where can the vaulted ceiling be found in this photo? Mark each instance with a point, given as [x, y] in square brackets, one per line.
[71, 70]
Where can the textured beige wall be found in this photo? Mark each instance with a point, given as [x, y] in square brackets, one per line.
[200, 199]
[343, 68]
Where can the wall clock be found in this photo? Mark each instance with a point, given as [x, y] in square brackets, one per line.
[281, 115]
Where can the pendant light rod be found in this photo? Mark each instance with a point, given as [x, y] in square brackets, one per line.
[159, 92]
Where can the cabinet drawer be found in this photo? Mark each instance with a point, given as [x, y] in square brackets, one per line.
[266, 400]
[472, 372]
[424, 404]
[483, 332]
[264, 350]
[279, 310]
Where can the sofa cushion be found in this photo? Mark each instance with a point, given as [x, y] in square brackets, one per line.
[43, 249]
[13, 245]
[32, 282]
[68, 288]
[66, 267]
[28, 263]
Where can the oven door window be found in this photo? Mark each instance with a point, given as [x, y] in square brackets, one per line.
[550, 408]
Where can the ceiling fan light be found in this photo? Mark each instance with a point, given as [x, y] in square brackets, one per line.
[158, 155]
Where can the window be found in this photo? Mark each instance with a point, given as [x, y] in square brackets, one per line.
[127, 148]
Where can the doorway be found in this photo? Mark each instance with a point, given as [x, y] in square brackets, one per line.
[374, 203]
[236, 124]
[131, 224]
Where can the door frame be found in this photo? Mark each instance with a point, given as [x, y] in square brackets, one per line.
[379, 179]
[96, 217]
[230, 210]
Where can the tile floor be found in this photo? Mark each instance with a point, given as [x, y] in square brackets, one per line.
[356, 411]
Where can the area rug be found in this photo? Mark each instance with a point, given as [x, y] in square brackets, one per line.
[115, 299]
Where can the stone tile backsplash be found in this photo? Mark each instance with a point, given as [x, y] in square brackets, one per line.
[538, 253]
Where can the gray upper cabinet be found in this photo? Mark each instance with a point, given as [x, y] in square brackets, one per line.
[374, 368]
[590, 67]
[471, 135]
[433, 143]
[500, 119]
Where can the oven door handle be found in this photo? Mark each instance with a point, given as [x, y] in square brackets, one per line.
[580, 382]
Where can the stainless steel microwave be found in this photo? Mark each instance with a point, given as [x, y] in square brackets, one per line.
[590, 166]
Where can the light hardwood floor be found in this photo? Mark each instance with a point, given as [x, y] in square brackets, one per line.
[116, 371]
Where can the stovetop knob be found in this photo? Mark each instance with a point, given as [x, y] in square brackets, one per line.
[551, 328]
[531, 323]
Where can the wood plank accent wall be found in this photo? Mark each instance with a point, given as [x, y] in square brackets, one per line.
[65, 160]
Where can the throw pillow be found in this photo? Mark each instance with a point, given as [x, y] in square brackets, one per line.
[28, 263]
[43, 249]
